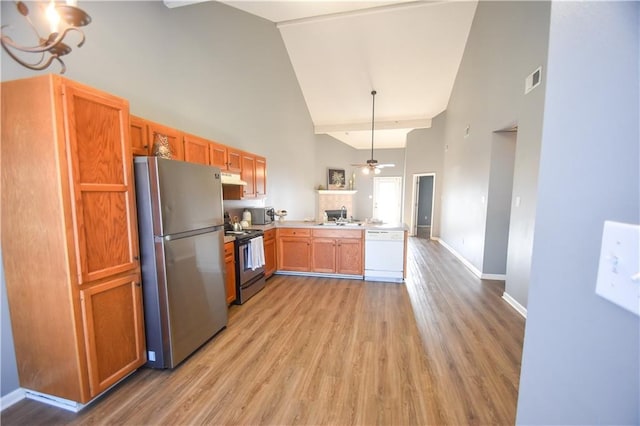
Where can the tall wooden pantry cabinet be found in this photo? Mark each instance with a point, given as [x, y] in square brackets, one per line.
[69, 237]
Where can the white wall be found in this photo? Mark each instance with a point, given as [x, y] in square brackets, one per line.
[507, 41]
[581, 359]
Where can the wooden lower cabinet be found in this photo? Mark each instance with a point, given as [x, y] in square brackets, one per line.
[349, 257]
[337, 251]
[113, 318]
[270, 252]
[294, 249]
[333, 251]
[230, 267]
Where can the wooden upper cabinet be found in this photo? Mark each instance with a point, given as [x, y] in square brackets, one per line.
[260, 176]
[139, 136]
[234, 160]
[174, 137]
[105, 224]
[218, 156]
[196, 149]
[248, 174]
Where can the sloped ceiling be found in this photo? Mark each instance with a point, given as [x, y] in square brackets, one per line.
[408, 51]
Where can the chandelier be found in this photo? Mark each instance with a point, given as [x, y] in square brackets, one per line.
[51, 47]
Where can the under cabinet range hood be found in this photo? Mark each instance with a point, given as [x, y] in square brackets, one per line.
[231, 179]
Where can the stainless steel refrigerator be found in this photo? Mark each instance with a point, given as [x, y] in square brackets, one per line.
[181, 229]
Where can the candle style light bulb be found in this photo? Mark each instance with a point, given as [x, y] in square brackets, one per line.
[72, 3]
[52, 16]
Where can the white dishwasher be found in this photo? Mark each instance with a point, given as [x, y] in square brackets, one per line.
[384, 255]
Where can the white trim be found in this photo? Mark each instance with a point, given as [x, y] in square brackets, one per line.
[515, 304]
[11, 398]
[497, 277]
[336, 191]
[464, 261]
[319, 274]
[56, 401]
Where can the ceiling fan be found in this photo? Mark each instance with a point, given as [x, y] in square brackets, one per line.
[372, 166]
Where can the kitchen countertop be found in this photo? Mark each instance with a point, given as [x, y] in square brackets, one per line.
[315, 225]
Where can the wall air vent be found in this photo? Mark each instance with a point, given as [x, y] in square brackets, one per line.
[533, 80]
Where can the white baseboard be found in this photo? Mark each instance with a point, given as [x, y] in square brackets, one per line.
[11, 398]
[515, 304]
[55, 401]
[461, 258]
[465, 262]
[497, 277]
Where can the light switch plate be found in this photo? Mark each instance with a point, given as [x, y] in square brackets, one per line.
[619, 267]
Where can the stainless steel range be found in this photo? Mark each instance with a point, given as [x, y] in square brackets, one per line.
[249, 269]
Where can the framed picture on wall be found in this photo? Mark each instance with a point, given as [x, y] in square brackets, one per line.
[336, 179]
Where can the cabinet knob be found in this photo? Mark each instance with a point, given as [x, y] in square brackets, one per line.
[136, 257]
[138, 284]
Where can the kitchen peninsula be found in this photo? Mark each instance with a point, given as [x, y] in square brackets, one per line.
[329, 249]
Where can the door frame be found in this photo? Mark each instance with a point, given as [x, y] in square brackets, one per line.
[414, 204]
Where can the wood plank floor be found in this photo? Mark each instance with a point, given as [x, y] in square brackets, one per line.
[442, 349]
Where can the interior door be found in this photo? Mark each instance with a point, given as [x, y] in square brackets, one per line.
[387, 199]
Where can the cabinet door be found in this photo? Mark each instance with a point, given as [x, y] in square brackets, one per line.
[269, 252]
[349, 256]
[230, 267]
[218, 156]
[174, 137]
[294, 254]
[196, 150]
[97, 139]
[248, 174]
[323, 255]
[234, 160]
[139, 136]
[114, 331]
[261, 176]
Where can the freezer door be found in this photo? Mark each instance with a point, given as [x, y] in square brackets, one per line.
[195, 285]
[185, 196]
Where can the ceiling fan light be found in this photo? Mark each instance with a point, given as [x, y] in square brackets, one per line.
[376, 171]
[365, 170]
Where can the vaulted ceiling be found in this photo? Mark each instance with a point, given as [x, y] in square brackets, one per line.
[408, 51]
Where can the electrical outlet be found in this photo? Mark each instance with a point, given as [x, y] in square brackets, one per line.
[619, 266]
[151, 355]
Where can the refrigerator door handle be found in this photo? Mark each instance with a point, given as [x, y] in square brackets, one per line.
[171, 237]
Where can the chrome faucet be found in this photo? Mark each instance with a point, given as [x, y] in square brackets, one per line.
[343, 215]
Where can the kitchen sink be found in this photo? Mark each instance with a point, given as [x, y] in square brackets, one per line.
[348, 224]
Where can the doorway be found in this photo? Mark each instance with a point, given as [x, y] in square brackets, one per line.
[387, 199]
[423, 205]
